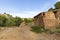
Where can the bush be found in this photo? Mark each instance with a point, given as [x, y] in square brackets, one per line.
[28, 20]
[57, 5]
[7, 20]
[51, 9]
[17, 21]
[57, 31]
[3, 20]
[49, 31]
[37, 29]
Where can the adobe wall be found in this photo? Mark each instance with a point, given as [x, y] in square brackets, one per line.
[38, 20]
[57, 14]
[47, 19]
[50, 20]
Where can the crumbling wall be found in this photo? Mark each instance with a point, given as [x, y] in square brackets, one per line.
[48, 19]
[38, 20]
[57, 15]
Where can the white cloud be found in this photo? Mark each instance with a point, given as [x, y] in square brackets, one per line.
[20, 13]
[26, 14]
[58, 0]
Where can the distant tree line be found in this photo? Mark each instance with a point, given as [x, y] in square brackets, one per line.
[9, 20]
[28, 20]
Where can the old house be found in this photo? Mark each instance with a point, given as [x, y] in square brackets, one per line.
[49, 19]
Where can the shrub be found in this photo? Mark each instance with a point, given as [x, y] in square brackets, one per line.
[57, 5]
[49, 31]
[37, 29]
[7, 20]
[51, 9]
[57, 30]
[28, 20]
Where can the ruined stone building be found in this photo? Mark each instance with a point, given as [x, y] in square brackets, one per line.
[49, 19]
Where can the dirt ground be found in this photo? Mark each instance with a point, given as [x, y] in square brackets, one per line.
[24, 33]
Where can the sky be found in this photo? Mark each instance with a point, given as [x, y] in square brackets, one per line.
[25, 8]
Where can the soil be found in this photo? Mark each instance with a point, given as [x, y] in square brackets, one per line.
[24, 33]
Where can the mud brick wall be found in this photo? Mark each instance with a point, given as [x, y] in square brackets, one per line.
[47, 19]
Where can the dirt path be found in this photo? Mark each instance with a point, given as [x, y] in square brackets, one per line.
[17, 34]
[24, 33]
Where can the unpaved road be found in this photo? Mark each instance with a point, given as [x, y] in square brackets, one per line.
[24, 33]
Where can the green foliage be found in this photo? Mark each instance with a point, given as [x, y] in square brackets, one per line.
[17, 21]
[7, 20]
[49, 31]
[37, 29]
[57, 30]
[51, 9]
[57, 5]
[53, 30]
[28, 20]
[2, 20]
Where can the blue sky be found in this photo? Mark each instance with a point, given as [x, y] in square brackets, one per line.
[25, 8]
